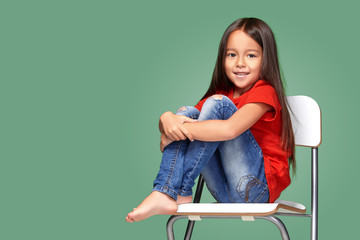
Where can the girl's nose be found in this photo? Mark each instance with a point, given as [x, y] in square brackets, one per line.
[240, 63]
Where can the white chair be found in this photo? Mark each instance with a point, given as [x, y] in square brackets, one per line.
[306, 121]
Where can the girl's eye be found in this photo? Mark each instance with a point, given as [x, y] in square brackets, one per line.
[251, 55]
[232, 55]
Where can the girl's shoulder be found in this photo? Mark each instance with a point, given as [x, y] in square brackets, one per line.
[262, 89]
[263, 92]
[264, 85]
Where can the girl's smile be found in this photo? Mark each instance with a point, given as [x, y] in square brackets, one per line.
[243, 61]
[241, 74]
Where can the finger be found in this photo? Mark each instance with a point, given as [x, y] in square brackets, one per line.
[162, 137]
[188, 134]
[188, 120]
[176, 135]
[162, 146]
[170, 135]
[183, 133]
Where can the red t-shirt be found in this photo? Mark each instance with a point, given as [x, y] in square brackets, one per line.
[267, 132]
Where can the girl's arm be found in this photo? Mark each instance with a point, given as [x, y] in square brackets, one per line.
[222, 130]
[173, 126]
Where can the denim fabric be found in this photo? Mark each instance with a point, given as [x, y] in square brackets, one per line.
[233, 170]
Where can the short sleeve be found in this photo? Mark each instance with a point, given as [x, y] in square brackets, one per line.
[263, 92]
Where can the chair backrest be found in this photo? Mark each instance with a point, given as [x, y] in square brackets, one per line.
[306, 120]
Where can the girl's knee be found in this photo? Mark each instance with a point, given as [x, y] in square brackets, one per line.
[219, 97]
[217, 107]
[185, 109]
[188, 111]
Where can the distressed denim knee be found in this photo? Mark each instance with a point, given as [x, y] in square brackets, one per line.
[217, 107]
[188, 111]
[219, 97]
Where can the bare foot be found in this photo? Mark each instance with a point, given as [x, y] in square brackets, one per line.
[182, 200]
[156, 203]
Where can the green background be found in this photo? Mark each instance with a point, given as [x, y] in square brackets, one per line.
[83, 84]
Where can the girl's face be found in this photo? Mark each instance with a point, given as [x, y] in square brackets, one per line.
[243, 61]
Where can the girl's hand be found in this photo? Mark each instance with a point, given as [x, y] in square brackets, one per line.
[164, 142]
[173, 126]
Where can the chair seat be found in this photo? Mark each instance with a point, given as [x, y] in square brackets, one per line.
[239, 209]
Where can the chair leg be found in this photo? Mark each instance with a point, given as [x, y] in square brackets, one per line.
[197, 197]
[314, 231]
[283, 231]
[314, 193]
[170, 226]
[189, 230]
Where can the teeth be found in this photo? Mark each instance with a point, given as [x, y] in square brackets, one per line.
[241, 74]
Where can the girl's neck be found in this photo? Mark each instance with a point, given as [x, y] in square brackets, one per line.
[238, 92]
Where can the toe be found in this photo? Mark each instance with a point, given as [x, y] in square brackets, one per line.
[130, 220]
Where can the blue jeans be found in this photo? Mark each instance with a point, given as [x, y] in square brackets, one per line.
[233, 170]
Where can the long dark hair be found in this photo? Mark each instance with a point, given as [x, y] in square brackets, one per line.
[270, 72]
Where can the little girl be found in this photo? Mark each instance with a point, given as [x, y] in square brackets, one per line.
[239, 136]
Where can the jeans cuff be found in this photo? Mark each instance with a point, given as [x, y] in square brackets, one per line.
[185, 193]
[171, 193]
